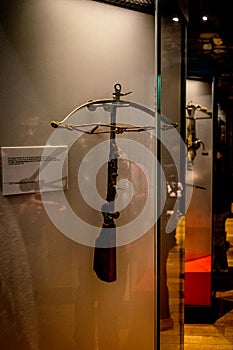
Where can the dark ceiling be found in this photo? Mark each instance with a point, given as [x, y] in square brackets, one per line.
[210, 43]
[146, 6]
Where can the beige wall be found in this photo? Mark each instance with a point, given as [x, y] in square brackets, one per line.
[58, 54]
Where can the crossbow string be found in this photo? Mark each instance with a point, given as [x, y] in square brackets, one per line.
[96, 128]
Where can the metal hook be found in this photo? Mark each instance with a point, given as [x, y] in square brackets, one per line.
[117, 94]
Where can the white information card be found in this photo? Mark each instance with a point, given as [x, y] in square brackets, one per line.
[31, 169]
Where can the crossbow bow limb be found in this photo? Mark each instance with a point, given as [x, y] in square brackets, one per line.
[100, 128]
[192, 141]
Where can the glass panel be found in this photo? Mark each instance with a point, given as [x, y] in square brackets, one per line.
[111, 191]
[56, 55]
[171, 150]
[106, 157]
[198, 220]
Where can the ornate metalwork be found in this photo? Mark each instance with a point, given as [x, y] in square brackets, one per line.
[145, 6]
[192, 141]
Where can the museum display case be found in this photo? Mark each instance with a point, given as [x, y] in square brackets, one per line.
[94, 167]
[206, 241]
[198, 220]
[57, 55]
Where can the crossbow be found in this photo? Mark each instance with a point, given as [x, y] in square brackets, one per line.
[192, 141]
[104, 263]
